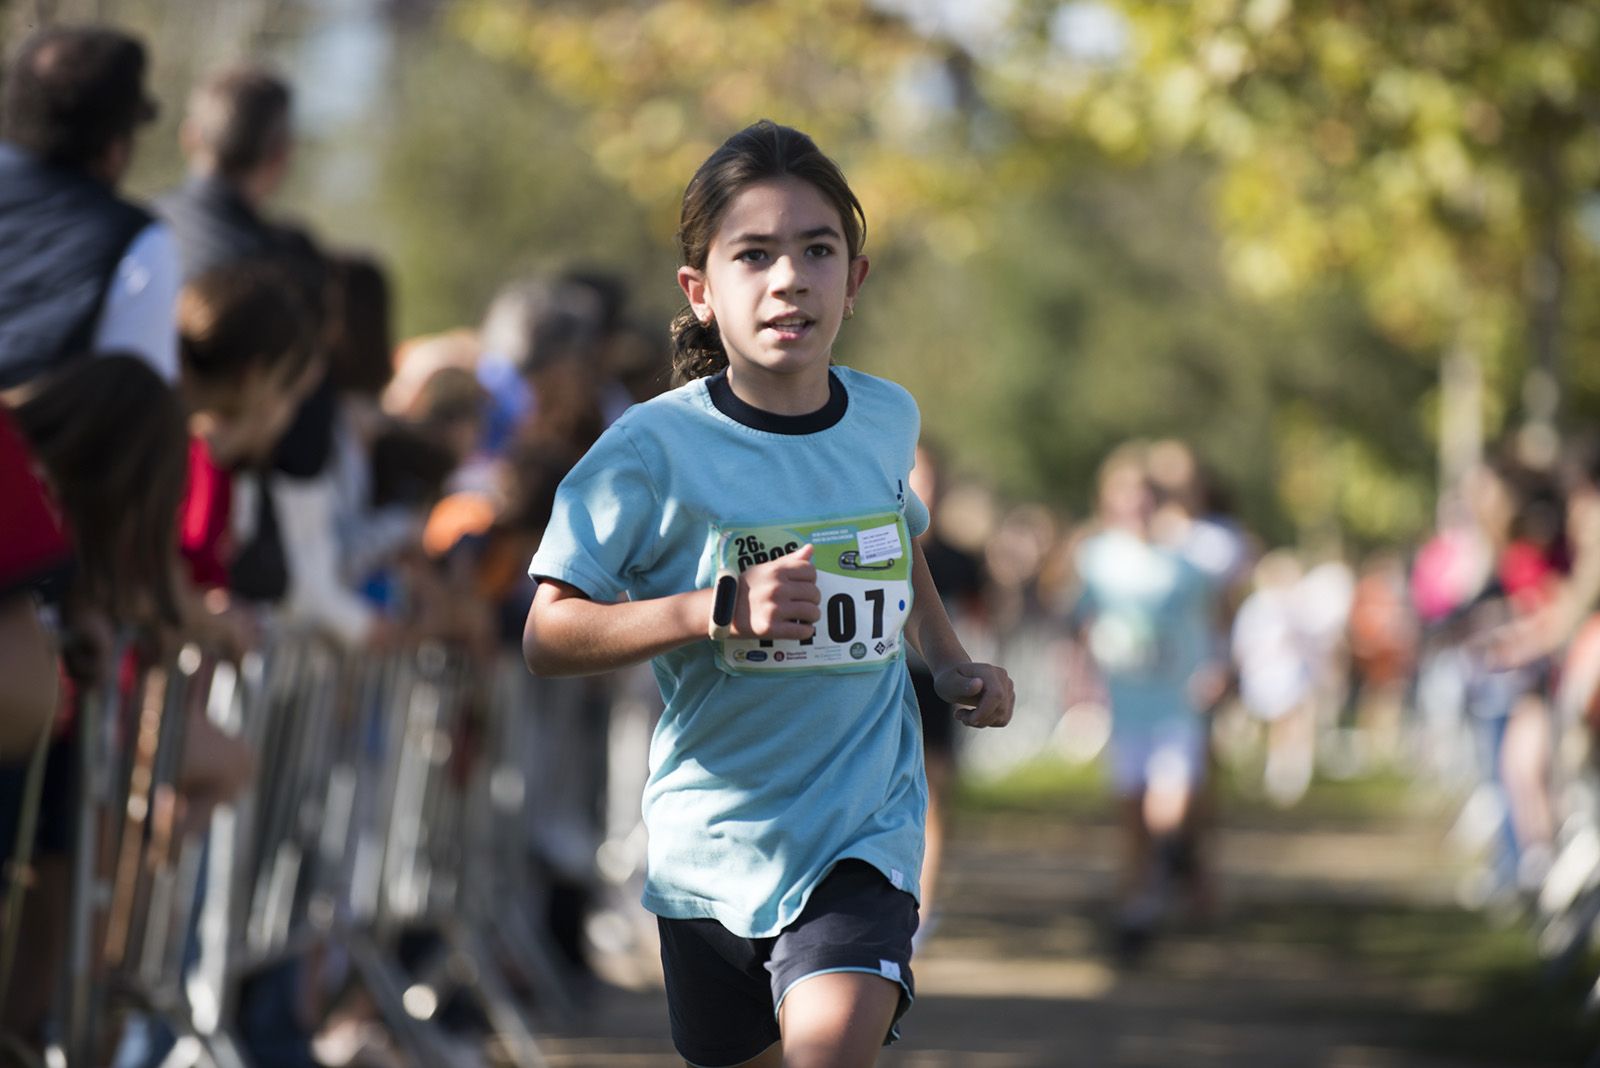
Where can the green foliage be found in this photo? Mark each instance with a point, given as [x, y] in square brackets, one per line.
[1439, 155]
[662, 84]
[483, 179]
[1410, 165]
[1097, 312]
[1425, 146]
[1258, 228]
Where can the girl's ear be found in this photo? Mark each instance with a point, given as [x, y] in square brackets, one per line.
[693, 284]
[858, 274]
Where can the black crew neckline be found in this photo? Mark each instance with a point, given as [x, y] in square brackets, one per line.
[746, 414]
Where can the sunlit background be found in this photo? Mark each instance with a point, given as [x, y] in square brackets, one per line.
[1270, 228]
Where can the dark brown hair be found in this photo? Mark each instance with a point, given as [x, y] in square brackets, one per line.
[240, 315]
[71, 91]
[755, 154]
[110, 436]
[240, 118]
[359, 342]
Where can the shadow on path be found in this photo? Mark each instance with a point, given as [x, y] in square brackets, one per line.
[1338, 947]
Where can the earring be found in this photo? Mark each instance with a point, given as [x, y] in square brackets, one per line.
[849, 311]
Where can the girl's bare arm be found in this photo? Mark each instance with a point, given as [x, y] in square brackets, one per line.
[569, 634]
[983, 691]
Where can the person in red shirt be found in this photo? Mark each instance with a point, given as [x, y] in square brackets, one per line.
[248, 359]
[91, 470]
[35, 553]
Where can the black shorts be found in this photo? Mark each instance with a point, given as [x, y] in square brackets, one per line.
[938, 716]
[723, 990]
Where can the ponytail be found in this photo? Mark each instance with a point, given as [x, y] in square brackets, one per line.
[697, 350]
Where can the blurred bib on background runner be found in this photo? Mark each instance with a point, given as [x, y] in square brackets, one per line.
[864, 575]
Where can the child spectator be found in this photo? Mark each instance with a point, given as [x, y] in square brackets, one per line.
[247, 362]
[106, 440]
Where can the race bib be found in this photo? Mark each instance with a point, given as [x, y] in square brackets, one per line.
[864, 575]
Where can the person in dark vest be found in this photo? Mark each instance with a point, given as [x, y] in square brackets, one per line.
[237, 135]
[238, 138]
[81, 269]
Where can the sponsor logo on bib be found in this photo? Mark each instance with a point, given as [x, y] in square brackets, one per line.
[863, 574]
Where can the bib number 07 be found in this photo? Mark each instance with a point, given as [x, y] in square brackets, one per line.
[864, 576]
[841, 615]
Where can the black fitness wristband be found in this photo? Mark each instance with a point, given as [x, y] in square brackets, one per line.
[723, 603]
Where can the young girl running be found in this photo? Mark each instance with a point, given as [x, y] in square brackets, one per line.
[752, 532]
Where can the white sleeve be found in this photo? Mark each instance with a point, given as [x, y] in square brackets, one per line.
[317, 594]
[139, 314]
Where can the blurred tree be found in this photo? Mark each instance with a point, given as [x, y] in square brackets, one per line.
[1441, 152]
[483, 177]
[1097, 312]
[1349, 143]
[1261, 227]
[664, 83]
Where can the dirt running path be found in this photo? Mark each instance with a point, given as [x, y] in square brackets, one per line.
[1312, 963]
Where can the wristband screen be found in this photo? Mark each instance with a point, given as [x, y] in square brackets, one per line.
[726, 598]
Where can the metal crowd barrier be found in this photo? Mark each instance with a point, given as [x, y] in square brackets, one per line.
[416, 798]
[397, 803]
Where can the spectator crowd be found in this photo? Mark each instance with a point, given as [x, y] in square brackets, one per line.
[208, 438]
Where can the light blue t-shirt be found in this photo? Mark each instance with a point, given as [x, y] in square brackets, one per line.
[771, 763]
[1147, 612]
